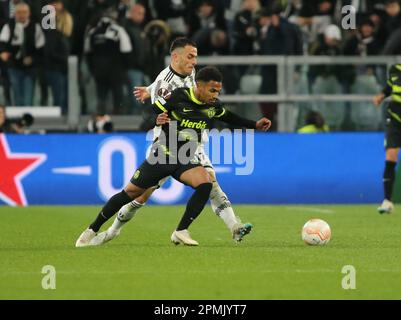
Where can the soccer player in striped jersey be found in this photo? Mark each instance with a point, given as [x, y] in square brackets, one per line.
[181, 73]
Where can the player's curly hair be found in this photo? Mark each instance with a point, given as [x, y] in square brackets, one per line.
[209, 73]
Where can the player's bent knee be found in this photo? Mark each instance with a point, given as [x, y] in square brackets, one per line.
[145, 196]
[133, 191]
[203, 178]
[195, 177]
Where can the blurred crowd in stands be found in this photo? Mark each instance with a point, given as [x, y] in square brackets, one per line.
[123, 43]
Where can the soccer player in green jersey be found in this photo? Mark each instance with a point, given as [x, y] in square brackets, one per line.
[183, 116]
[393, 133]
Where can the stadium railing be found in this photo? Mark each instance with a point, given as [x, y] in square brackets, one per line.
[286, 81]
[293, 72]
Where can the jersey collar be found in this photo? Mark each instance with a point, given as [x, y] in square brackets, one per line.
[176, 73]
[193, 97]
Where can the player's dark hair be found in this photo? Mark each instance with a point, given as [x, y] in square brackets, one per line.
[209, 73]
[182, 42]
[315, 118]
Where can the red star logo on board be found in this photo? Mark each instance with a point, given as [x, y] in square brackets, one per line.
[13, 168]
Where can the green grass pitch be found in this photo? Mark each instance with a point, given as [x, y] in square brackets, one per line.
[271, 263]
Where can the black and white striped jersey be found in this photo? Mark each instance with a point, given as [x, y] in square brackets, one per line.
[167, 81]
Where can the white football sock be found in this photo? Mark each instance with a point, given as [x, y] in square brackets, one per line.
[222, 206]
[125, 214]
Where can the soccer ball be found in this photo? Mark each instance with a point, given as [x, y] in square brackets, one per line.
[316, 232]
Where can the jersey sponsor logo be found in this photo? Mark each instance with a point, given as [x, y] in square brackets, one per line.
[193, 124]
[164, 93]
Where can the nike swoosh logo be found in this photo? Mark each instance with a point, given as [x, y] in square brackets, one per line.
[187, 110]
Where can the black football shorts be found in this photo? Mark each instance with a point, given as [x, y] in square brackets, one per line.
[148, 175]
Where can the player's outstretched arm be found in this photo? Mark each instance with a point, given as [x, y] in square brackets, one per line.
[141, 94]
[234, 119]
